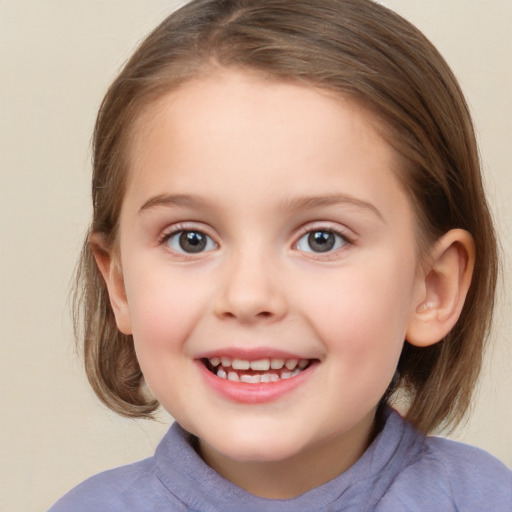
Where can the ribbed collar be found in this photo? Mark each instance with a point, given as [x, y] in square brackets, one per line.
[360, 488]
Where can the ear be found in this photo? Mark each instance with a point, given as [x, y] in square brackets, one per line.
[443, 285]
[113, 276]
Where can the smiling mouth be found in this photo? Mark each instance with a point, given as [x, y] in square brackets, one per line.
[258, 371]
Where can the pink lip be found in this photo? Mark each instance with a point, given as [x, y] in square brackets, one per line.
[245, 393]
[250, 354]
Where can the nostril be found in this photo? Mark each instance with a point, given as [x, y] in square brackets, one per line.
[249, 305]
[261, 315]
[264, 314]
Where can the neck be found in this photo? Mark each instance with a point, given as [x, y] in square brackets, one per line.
[289, 478]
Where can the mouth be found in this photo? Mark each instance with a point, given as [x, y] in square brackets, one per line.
[265, 370]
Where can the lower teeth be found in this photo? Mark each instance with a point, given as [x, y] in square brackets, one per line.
[256, 378]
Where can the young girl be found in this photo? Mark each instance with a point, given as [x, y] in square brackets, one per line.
[289, 235]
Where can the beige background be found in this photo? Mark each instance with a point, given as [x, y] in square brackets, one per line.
[56, 59]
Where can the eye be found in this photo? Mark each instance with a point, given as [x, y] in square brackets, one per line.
[190, 242]
[321, 240]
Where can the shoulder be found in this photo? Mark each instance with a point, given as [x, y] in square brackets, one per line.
[473, 472]
[133, 487]
[454, 476]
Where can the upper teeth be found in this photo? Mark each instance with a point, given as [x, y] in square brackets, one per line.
[240, 364]
[262, 365]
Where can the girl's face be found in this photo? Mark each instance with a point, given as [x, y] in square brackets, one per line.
[263, 224]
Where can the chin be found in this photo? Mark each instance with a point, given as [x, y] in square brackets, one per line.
[255, 449]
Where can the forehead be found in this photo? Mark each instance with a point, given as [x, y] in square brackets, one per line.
[263, 101]
[228, 126]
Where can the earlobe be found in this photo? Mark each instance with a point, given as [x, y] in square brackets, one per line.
[113, 277]
[444, 284]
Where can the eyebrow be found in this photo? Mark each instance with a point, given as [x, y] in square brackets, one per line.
[294, 204]
[182, 200]
[311, 202]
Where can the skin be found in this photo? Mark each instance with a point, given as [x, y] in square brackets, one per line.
[238, 158]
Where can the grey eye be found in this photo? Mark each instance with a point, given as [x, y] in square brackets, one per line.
[321, 240]
[191, 242]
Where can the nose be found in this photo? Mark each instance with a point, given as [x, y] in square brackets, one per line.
[251, 291]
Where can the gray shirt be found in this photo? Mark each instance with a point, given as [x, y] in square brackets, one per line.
[402, 470]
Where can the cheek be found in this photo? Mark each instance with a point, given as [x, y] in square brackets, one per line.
[164, 310]
[363, 312]
[164, 307]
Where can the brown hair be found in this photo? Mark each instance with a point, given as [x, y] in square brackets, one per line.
[352, 47]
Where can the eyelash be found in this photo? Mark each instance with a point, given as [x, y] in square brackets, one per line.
[180, 229]
[306, 231]
[309, 230]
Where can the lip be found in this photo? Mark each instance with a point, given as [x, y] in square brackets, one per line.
[251, 354]
[244, 393]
